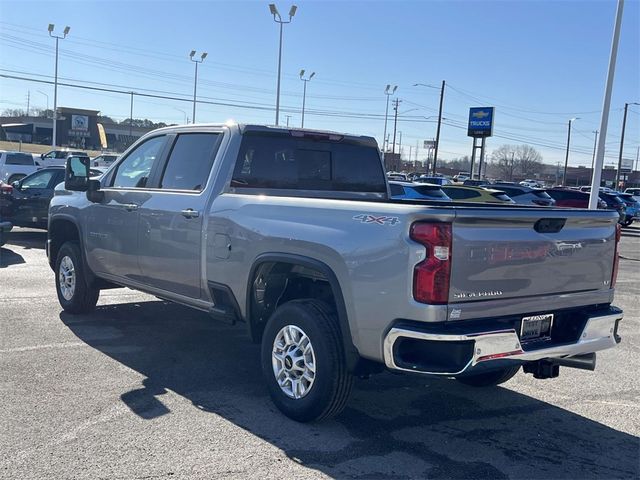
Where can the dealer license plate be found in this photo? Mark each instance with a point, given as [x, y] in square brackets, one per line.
[536, 326]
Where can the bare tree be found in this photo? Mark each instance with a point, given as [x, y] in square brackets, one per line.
[504, 161]
[528, 160]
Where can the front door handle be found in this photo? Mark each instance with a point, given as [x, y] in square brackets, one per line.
[130, 207]
[190, 213]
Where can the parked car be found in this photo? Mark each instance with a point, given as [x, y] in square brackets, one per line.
[57, 157]
[566, 197]
[525, 195]
[475, 183]
[104, 160]
[26, 201]
[633, 191]
[425, 191]
[464, 193]
[461, 177]
[632, 208]
[397, 176]
[15, 165]
[434, 180]
[291, 233]
[531, 184]
[614, 203]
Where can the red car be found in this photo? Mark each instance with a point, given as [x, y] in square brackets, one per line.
[566, 197]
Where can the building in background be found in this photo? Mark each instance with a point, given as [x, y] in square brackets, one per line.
[77, 128]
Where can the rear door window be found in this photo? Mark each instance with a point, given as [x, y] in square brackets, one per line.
[396, 190]
[19, 159]
[461, 193]
[431, 192]
[301, 163]
[190, 161]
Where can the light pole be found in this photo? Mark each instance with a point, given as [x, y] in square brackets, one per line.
[595, 144]
[65, 32]
[42, 93]
[288, 117]
[304, 93]
[566, 157]
[388, 92]
[624, 125]
[186, 119]
[435, 149]
[195, 81]
[278, 19]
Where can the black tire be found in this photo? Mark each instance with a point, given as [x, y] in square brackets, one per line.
[83, 298]
[329, 393]
[489, 379]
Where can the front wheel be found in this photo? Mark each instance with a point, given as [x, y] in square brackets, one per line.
[74, 293]
[303, 361]
[489, 379]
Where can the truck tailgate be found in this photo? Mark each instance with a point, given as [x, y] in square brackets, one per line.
[524, 253]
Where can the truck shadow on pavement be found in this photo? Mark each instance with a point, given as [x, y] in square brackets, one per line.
[27, 238]
[394, 426]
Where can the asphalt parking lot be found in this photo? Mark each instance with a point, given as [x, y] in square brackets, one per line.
[147, 389]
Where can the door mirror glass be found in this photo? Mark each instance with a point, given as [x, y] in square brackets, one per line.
[16, 184]
[76, 175]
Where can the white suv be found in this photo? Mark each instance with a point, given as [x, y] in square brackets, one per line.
[15, 165]
[55, 158]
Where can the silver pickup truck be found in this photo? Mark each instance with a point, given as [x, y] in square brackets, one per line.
[293, 233]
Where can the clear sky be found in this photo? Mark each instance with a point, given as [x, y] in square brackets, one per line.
[539, 63]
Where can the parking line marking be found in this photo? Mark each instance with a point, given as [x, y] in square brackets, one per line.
[40, 347]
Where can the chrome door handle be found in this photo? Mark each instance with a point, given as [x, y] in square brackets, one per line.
[190, 213]
[130, 207]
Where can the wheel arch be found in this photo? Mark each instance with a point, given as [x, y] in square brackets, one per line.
[287, 260]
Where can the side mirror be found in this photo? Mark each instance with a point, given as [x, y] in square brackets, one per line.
[76, 174]
[42, 156]
[16, 184]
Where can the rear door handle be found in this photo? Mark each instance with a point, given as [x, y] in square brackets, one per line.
[130, 207]
[190, 213]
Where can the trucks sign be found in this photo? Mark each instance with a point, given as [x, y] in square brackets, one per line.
[480, 122]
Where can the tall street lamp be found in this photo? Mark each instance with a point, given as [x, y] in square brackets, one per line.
[195, 82]
[388, 92]
[278, 19]
[304, 92]
[624, 126]
[65, 32]
[186, 119]
[566, 157]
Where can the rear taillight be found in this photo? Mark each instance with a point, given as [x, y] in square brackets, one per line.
[431, 277]
[616, 259]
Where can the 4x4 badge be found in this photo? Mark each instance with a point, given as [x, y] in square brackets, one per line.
[377, 219]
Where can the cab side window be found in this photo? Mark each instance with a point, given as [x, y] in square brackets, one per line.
[133, 171]
[190, 161]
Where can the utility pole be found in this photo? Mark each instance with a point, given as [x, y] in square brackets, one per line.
[388, 92]
[28, 101]
[637, 156]
[400, 144]
[395, 124]
[131, 119]
[595, 144]
[624, 125]
[435, 151]
[288, 117]
[566, 158]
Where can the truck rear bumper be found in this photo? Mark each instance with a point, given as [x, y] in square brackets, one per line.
[450, 354]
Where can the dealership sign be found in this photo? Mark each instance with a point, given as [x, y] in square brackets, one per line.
[480, 122]
[80, 122]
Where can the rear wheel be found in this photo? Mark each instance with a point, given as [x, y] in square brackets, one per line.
[303, 361]
[489, 379]
[74, 293]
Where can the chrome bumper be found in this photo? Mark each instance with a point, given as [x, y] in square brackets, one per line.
[598, 334]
